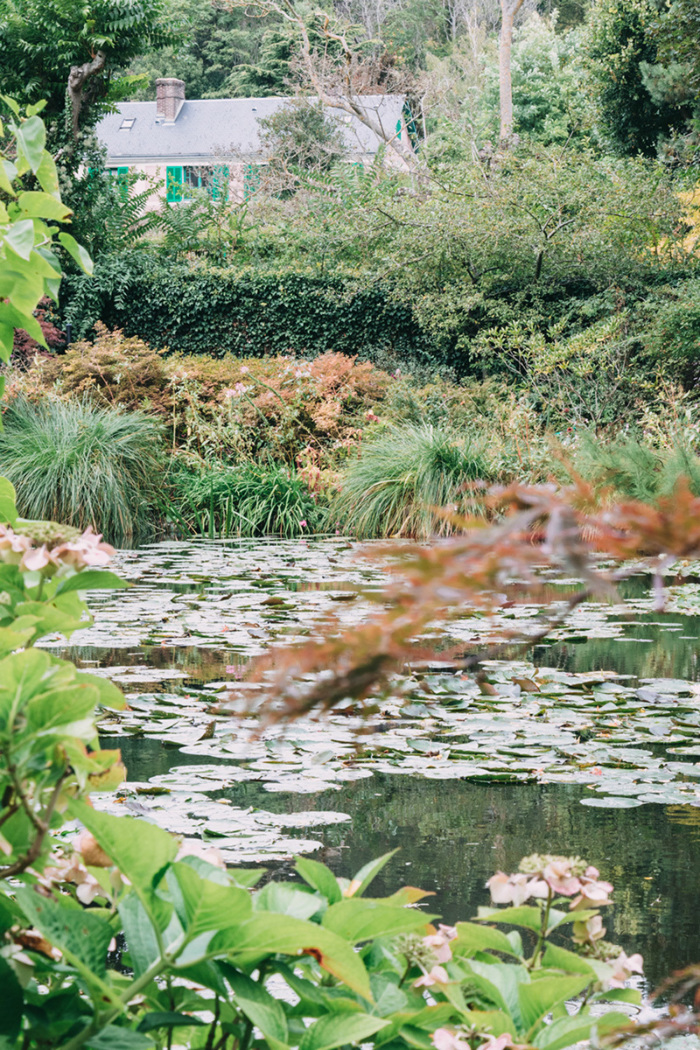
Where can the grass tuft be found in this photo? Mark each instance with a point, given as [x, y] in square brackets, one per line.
[401, 479]
[78, 463]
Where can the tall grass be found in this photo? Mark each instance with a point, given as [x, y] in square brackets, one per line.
[245, 500]
[78, 463]
[403, 477]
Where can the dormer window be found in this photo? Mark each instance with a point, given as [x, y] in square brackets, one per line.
[127, 123]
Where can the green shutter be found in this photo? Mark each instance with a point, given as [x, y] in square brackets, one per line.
[174, 179]
[251, 180]
[398, 129]
[218, 185]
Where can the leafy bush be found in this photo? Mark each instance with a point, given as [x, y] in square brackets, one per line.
[116, 369]
[402, 479]
[631, 468]
[79, 463]
[247, 500]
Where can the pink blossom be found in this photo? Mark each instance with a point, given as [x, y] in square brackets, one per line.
[500, 1043]
[512, 889]
[558, 875]
[244, 370]
[438, 975]
[444, 1039]
[440, 942]
[302, 524]
[35, 560]
[623, 968]
[590, 931]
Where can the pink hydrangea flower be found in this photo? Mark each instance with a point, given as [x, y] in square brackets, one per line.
[623, 968]
[438, 975]
[440, 942]
[445, 1039]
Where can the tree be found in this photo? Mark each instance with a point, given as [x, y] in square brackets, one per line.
[50, 48]
[338, 65]
[622, 49]
[509, 9]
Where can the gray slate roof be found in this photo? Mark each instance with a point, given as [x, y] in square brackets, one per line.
[223, 128]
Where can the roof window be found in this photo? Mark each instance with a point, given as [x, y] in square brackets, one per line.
[127, 123]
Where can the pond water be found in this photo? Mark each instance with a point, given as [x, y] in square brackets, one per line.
[463, 783]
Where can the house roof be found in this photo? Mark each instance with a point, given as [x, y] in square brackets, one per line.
[224, 128]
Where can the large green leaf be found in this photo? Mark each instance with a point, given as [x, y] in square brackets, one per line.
[361, 919]
[269, 934]
[77, 252]
[259, 1006]
[141, 940]
[76, 931]
[472, 938]
[31, 140]
[114, 1038]
[203, 906]
[8, 502]
[35, 205]
[340, 1030]
[140, 850]
[287, 900]
[12, 1002]
[567, 1031]
[561, 959]
[320, 877]
[368, 873]
[92, 580]
[539, 997]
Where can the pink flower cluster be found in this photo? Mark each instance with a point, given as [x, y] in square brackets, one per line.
[86, 549]
[549, 876]
[446, 1039]
[439, 945]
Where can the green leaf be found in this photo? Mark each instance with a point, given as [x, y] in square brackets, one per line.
[320, 878]
[20, 237]
[36, 205]
[539, 997]
[47, 175]
[203, 906]
[12, 1002]
[360, 919]
[259, 1006]
[77, 252]
[76, 931]
[340, 1030]
[368, 873]
[114, 1038]
[284, 899]
[269, 934]
[168, 1019]
[141, 939]
[31, 139]
[561, 959]
[472, 938]
[92, 580]
[140, 850]
[109, 694]
[570, 1030]
[8, 502]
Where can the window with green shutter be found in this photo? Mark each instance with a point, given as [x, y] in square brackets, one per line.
[218, 183]
[251, 180]
[174, 179]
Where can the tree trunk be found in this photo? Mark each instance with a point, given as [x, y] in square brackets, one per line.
[76, 85]
[509, 9]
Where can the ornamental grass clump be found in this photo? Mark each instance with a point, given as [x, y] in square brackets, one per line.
[77, 462]
[245, 500]
[405, 479]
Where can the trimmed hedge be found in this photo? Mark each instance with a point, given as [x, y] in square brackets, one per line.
[247, 312]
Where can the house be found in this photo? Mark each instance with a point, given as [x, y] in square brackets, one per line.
[216, 143]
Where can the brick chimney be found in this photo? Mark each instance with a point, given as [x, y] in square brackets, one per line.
[170, 96]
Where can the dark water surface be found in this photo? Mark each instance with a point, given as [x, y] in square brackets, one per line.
[452, 834]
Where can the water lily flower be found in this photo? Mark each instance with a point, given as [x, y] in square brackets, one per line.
[438, 975]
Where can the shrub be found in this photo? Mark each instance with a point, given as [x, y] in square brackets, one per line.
[79, 463]
[402, 479]
[117, 369]
[247, 500]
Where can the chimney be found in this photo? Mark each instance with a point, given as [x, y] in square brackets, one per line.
[170, 96]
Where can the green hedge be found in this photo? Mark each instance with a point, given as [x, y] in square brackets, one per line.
[247, 312]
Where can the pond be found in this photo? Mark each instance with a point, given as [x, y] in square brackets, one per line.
[599, 755]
